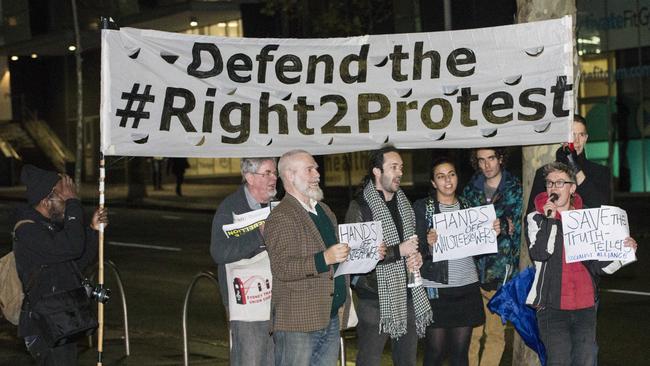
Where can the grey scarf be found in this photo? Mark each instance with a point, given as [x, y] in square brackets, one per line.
[391, 277]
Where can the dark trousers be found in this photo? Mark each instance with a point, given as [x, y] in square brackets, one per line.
[65, 355]
[180, 177]
[569, 336]
[371, 342]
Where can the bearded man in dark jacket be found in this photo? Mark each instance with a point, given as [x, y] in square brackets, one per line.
[52, 244]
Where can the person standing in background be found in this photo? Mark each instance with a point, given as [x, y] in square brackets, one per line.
[178, 166]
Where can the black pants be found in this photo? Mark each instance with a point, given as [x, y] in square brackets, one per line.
[568, 335]
[180, 177]
[65, 355]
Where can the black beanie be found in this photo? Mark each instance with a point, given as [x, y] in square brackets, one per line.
[39, 183]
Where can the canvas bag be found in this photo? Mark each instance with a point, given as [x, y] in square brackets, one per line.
[249, 288]
[11, 291]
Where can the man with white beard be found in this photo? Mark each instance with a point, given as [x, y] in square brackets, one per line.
[309, 305]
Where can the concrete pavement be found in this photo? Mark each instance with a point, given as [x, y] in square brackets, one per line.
[167, 349]
[145, 349]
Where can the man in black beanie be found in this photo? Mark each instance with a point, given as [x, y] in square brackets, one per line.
[51, 244]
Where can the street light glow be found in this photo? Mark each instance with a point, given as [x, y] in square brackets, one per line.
[72, 48]
[14, 58]
[34, 55]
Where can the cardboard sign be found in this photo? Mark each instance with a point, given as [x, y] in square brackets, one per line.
[596, 234]
[364, 239]
[464, 233]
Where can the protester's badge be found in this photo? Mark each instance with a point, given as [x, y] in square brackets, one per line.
[249, 288]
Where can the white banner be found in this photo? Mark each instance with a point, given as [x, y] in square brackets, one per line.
[596, 234]
[249, 288]
[168, 94]
[364, 239]
[464, 233]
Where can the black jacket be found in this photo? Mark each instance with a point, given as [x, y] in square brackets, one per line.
[433, 271]
[594, 190]
[48, 253]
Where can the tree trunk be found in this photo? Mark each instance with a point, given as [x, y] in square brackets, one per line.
[80, 118]
[538, 155]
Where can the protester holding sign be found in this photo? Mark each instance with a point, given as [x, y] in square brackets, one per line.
[592, 179]
[563, 293]
[452, 286]
[493, 184]
[251, 343]
[386, 307]
[310, 305]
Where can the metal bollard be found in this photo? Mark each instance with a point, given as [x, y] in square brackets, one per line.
[205, 274]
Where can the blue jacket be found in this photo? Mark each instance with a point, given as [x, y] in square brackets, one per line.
[507, 203]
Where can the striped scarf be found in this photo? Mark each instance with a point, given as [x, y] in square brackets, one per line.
[391, 277]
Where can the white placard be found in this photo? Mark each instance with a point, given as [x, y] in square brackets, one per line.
[464, 233]
[246, 222]
[170, 94]
[596, 234]
[364, 239]
[249, 288]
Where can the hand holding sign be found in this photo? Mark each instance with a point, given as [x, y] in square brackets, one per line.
[337, 253]
[630, 243]
[381, 250]
[432, 237]
[363, 249]
[496, 225]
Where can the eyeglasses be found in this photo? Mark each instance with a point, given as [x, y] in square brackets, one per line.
[557, 184]
[267, 174]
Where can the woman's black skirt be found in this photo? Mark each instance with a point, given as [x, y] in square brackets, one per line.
[458, 307]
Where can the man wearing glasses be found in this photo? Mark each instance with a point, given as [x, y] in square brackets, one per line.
[52, 243]
[251, 343]
[564, 294]
[593, 180]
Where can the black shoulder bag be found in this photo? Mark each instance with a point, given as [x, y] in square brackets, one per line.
[63, 316]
